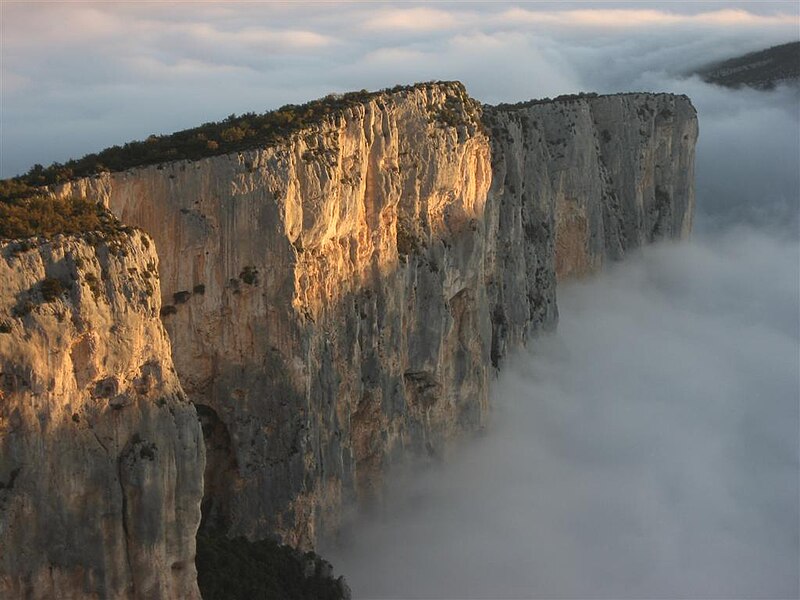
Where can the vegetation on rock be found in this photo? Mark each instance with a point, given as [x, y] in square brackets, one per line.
[40, 215]
[534, 102]
[235, 133]
[51, 289]
[762, 70]
[236, 569]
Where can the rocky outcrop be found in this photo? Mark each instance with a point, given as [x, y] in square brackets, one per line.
[578, 182]
[101, 454]
[341, 298]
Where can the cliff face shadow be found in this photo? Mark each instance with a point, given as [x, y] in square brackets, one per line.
[220, 471]
[293, 444]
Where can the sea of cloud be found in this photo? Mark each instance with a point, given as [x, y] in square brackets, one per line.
[648, 449]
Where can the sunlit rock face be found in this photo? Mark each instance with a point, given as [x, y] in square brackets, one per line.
[101, 454]
[341, 299]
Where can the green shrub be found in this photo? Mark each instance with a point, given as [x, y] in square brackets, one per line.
[51, 289]
[181, 297]
[45, 216]
[236, 569]
[249, 275]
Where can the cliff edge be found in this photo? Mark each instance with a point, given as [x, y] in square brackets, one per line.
[340, 298]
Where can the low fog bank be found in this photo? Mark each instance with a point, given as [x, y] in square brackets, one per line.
[647, 449]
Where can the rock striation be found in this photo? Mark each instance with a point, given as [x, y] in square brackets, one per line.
[577, 182]
[341, 298]
[101, 454]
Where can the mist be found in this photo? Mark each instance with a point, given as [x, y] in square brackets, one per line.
[649, 448]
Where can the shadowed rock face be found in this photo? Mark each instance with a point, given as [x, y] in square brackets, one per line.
[340, 300]
[576, 183]
[101, 457]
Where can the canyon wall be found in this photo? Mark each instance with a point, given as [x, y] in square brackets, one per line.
[578, 182]
[101, 454]
[342, 298]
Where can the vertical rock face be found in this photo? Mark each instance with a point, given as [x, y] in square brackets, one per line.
[341, 298]
[578, 182]
[101, 455]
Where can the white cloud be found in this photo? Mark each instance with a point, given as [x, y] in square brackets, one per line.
[148, 68]
[412, 19]
[634, 18]
[646, 450]
[256, 37]
[392, 56]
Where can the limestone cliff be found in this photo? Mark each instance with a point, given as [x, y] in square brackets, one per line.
[340, 298]
[101, 454]
[577, 182]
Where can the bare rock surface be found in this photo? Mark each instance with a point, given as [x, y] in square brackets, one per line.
[578, 182]
[101, 454]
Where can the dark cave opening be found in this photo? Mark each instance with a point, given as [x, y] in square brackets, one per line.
[220, 472]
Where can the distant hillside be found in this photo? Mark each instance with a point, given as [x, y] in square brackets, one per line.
[761, 70]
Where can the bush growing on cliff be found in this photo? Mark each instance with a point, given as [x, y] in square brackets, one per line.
[45, 216]
[51, 289]
[235, 133]
[236, 569]
[562, 98]
[249, 275]
[181, 297]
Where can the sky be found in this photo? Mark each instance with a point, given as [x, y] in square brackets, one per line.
[80, 76]
[649, 447]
